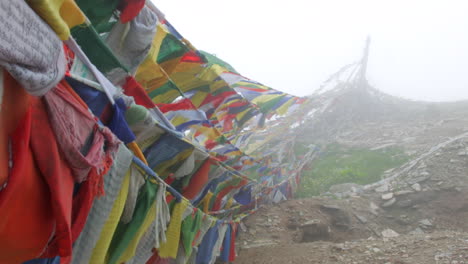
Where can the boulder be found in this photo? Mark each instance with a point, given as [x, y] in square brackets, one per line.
[389, 233]
[382, 188]
[387, 196]
[416, 187]
[389, 202]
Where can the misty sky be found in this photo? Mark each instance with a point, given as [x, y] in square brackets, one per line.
[419, 47]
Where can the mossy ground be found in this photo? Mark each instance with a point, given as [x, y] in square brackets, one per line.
[338, 164]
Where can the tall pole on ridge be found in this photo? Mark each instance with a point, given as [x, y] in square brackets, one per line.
[365, 57]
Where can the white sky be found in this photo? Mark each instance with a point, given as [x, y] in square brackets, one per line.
[419, 47]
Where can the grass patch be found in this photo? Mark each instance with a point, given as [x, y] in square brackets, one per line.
[339, 164]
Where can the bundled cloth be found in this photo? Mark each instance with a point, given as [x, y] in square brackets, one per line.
[29, 49]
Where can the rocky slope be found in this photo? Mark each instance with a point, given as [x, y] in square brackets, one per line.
[417, 213]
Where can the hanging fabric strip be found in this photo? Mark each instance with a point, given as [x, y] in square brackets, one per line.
[24, 233]
[108, 87]
[137, 180]
[107, 232]
[169, 249]
[131, 42]
[60, 15]
[83, 247]
[219, 242]
[163, 216]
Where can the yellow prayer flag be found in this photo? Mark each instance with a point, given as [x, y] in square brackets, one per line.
[169, 249]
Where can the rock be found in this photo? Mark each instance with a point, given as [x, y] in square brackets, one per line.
[416, 187]
[376, 250]
[314, 230]
[340, 218]
[418, 179]
[462, 153]
[403, 221]
[389, 202]
[442, 256]
[339, 247]
[403, 192]
[361, 218]
[417, 231]
[382, 189]
[310, 222]
[346, 189]
[243, 227]
[260, 243]
[425, 223]
[387, 196]
[293, 224]
[424, 173]
[389, 233]
[330, 208]
[374, 208]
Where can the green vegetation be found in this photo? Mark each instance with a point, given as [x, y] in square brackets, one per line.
[339, 164]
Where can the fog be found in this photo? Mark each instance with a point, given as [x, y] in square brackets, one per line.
[419, 48]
